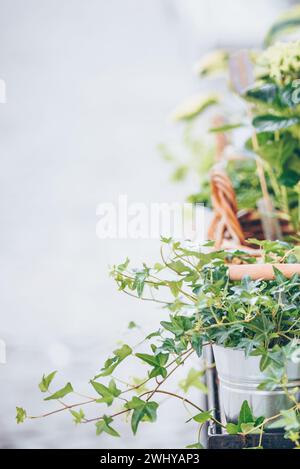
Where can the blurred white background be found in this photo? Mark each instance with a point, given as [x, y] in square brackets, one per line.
[89, 88]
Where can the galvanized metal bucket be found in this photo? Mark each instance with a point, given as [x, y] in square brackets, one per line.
[239, 378]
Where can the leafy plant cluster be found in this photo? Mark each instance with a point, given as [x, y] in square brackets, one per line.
[273, 104]
[203, 306]
[196, 156]
[208, 307]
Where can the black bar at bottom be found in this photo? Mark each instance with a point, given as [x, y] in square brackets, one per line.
[133, 458]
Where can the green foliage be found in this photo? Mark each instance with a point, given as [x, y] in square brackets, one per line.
[276, 119]
[246, 415]
[213, 63]
[118, 356]
[259, 317]
[290, 419]
[203, 417]
[279, 63]
[139, 386]
[243, 176]
[232, 314]
[280, 153]
[232, 428]
[46, 381]
[275, 251]
[247, 423]
[157, 361]
[78, 416]
[103, 426]
[269, 95]
[143, 411]
[67, 389]
[272, 123]
[193, 379]
[275, 110]
[286, 24]
[20, 415]
[108, 393]
[226, 127]
[194, 107]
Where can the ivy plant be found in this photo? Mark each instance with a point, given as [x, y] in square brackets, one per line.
[202, 306]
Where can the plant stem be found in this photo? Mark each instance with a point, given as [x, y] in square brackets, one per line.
[66, 407]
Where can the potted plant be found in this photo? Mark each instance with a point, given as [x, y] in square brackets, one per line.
[275, 102]
[265, 174]
[248, 308]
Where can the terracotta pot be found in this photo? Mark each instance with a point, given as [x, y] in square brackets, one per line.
[262, 271]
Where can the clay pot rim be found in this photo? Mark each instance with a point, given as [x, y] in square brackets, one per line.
[263, 271]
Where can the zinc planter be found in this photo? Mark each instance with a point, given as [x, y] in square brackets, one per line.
[239, 377]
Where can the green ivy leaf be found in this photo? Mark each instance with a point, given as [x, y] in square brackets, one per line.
[103, 426]
[259, 421]
[232, 428]
[142, 411]
[78, 416]
[157, 361]
[193, 379]
[67, 389]
[158, 371]
[197, 343]
[279, 277]
[158, 267]
[175, 287]
[153, 334]
[290, 420]
[264, 361]
[46, 381]
[112, 363]
[166, 240]
[108, 393]
[20, 415]
[246, 415]
[178, 325]
[139, 281]
[161, 359]
[139, 385]
[203, 417]
[172, 346]
[179, 267]
[122, 267]
[248, 427]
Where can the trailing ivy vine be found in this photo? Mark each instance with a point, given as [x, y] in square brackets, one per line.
[202, 306]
